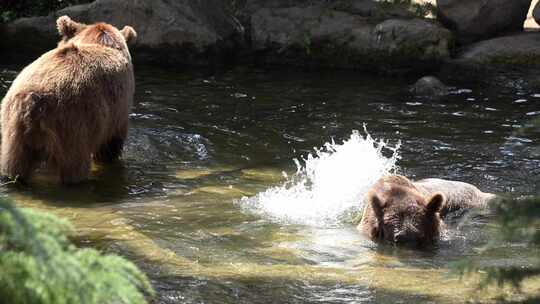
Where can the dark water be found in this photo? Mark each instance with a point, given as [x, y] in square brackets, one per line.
[199, 141]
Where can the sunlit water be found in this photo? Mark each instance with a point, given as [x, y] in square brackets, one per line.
[241, 186]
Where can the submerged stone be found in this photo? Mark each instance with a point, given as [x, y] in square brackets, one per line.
[263, 174]
[193, 174]
[228, 191]
[200, 173]
[429, 86]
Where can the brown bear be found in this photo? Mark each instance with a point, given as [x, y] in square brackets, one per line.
[398, 210]
[71, 104]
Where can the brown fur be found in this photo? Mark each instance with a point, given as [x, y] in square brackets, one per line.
[398, 210]
[71, 104]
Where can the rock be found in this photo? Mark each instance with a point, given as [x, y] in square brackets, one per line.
[474, 20]
[374, 9]
[429, 86]
[183, 31]
[263, 174]
[364, 8]
[530, 23]
[15, 37]
[523, 48]
[319, 36]
[536, 11]
[358, 34]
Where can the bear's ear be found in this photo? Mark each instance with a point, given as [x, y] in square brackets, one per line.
[376, 204]
[129, 34]
[435, 203]
[67, 28]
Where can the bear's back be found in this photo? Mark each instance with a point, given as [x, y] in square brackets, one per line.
[459, 195]
[73, 70]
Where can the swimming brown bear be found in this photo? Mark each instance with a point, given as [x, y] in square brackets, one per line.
[71, 104]
[398, 210]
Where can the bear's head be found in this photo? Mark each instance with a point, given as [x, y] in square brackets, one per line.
[403, 215]
[98, 33]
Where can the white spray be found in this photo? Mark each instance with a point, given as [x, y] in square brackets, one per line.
[329, 184]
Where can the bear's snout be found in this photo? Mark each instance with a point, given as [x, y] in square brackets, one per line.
[403, 237]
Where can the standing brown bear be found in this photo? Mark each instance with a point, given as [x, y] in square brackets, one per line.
[71, 104]
[398, 210]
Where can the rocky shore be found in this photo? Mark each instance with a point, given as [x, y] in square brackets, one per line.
[389, 36]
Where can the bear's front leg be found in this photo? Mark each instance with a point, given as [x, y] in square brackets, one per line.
[74, 170]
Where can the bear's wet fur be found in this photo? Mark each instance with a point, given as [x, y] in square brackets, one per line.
[71, 104]
[400, 211]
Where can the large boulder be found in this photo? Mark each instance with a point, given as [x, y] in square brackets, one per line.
[474, 20]
[27, 37]
[355, 34]
[520, 49]
[364, 8]
[536, 11]
[181, 31]
[321, 36]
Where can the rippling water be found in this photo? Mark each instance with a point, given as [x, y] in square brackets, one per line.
[210, 202]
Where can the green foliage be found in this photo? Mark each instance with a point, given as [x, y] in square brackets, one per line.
[307, 43]
[40, 265]
[518, 221]
[13, 9]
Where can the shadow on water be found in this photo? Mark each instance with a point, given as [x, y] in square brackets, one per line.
[200, 142]
[261, 290]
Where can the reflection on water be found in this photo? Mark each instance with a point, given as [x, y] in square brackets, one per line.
[201, 142]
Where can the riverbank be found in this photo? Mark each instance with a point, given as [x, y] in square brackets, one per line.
[392, 37]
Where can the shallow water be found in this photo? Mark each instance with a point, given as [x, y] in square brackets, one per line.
[203, 202]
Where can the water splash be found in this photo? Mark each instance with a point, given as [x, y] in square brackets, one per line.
[329, 183]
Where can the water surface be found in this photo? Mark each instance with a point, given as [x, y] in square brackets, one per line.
[201, 202]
